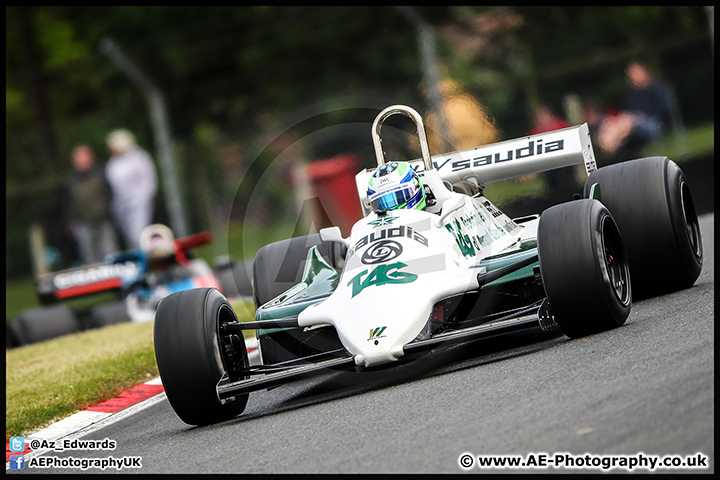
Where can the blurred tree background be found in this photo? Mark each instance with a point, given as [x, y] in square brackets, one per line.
[252, 92]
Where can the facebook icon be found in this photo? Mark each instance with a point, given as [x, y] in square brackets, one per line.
[17, 462]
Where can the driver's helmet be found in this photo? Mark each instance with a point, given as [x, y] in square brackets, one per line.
[157, 242]
[395, 185]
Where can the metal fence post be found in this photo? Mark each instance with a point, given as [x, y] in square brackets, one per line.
[428, 56]
[158, 113]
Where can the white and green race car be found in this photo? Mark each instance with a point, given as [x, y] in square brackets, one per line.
[406, 282]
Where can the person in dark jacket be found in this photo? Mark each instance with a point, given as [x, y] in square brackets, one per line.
[89, 207]
[646, 111]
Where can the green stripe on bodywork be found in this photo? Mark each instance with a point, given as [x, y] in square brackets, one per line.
[527, 249]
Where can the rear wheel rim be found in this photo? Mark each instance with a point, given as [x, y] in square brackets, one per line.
[692, 225]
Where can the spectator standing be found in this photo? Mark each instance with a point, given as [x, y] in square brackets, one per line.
[89, 207]
[132, 177]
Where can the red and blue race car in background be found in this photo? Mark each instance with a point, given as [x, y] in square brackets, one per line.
[138, 280]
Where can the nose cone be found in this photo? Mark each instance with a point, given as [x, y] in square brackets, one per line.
[371, 327]
[378, 321]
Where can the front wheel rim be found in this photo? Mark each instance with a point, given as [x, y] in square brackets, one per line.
[615, 262]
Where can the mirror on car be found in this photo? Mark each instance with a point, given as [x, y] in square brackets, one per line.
[332, 234]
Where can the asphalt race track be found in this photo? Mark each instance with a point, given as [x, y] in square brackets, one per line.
[645, 389]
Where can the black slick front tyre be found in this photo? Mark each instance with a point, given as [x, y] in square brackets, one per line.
[584, 268]
[192, 354]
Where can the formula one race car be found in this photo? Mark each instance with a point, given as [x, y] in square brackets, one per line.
[138, 278]
[411, 280]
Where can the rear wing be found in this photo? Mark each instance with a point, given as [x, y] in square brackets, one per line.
[87, 280]
[194, 241]
[508, 159]
[514, 158]
[185, 244]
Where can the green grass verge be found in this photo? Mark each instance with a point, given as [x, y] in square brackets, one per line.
[51, 380]
[692, 143]
[500, 193]
[19, 296]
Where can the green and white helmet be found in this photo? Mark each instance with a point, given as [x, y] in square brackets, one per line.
[395, 185]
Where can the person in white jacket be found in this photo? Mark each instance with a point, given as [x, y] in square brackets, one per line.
[133, 180]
